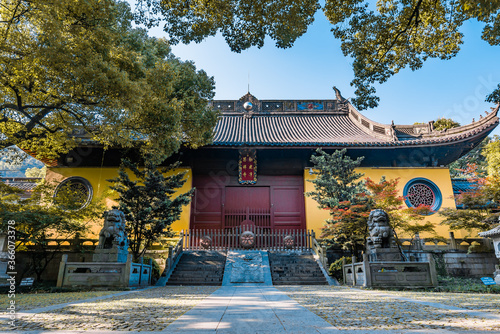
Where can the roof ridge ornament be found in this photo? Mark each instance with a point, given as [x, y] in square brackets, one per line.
[341, 101]
[338, 95]
[249, 104]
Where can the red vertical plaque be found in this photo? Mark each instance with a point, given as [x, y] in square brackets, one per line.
[247, 168]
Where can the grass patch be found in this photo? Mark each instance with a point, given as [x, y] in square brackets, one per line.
[452, 285]
[464, 285]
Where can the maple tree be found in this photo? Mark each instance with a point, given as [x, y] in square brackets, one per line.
[404, 220]
[477, 204]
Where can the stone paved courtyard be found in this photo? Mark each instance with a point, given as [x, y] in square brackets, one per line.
[349, 309]
[344, 308]
[150, 309]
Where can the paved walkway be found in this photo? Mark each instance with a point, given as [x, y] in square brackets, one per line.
[259, 309]
[249, 309]
[252, 309]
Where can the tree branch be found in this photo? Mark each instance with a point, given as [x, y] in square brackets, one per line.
[414, 14]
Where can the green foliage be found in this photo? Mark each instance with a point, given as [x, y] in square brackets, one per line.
[494, 97]
[464, 285]
[491, 152]
[336, 179]
[335, 269]
[402, 34]
[79, 64]
[439, 263]
[477, 203]
[445, 123]
[473, 162]
[243, 23]
[149, 204]
[337, 189]
[39, 219]
[382, 37]
[36, 172]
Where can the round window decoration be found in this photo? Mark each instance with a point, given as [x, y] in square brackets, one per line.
[73, 193]
[420, 191]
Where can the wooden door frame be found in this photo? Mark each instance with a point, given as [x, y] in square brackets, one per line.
[263, 181]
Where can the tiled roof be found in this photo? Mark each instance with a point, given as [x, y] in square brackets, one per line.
[494, 232]
[462, 185]
[279, 130]
[23, 183]
[327, 123]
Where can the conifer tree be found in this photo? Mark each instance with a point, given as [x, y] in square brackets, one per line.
[149, 204]
[336, 178]
[339, 189]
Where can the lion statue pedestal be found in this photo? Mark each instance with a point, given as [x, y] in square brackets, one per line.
[112, 266]
[494, 234]
[383, 263]
[381, 244]
[113, 242]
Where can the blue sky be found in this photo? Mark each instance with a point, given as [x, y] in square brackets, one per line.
[453, 88]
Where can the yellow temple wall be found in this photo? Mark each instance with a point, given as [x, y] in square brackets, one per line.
[316, 217]
[98, 177]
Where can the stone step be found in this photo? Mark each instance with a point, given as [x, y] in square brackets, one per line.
[197, 284]
[182, 281]
[195, 276]
[295, 278]
[299, 283]
[295, 269]
[199, 268]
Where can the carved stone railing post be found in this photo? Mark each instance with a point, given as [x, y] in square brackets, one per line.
[353, 271]
[453, 242]
[432, 266]
[62, 270]
[366, 270]
[344, 276]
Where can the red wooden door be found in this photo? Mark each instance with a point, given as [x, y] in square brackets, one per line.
[247, 205]
[277, 202]
[243, 197]
[288, 207]
[207, 207]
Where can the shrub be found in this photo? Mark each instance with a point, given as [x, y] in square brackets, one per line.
[336, 268]
[155, 270]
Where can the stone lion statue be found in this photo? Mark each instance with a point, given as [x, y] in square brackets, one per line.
[381, 233]
[113, 234]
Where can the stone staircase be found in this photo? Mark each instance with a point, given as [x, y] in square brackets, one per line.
[199, 268]
[295, 269]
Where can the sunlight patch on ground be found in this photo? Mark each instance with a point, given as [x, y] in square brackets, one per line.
[148, 310]
[349, 309]
[29, 301]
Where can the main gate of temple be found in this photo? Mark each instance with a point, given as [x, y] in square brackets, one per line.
[276, 203]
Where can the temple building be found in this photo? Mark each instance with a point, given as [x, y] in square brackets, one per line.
[258, 166]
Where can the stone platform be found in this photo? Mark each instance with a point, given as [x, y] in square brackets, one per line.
[244, 267]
